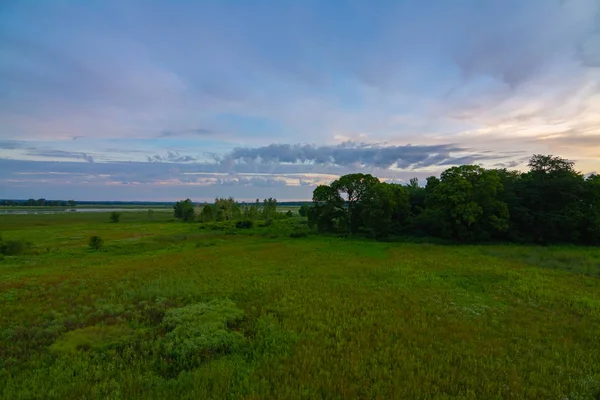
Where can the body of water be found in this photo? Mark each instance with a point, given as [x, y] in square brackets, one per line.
[78, 210]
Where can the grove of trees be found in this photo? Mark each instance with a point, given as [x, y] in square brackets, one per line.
[227, 209]
[38, 203]
[550, 203]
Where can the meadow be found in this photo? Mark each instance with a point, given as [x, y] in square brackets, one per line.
[167, 309]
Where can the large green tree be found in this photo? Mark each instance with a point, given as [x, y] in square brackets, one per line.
[353, 188]
[327, 209]
[468, 203]
[184, 210]
[384, 209]
[591, 222]
[552, 192]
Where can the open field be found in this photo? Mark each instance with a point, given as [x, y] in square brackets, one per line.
[169, 310]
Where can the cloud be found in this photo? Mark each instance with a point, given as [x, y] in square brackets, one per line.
[49, 153]
[172, 156]
[187, 132]
[359, 155]
[13, 144]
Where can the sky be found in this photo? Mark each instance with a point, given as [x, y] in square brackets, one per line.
[163, 100]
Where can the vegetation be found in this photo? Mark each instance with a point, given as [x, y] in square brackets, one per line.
[169, 310]
[551, 203]
[38, 203]
[115, 216]
[96, 242]
[184, 210]
[14, 247]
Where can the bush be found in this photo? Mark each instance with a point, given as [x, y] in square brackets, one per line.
[199, 332]
[298, 234]
[289, 214]
[245, 224]
[13, 247]
[115, 216]
[96, 242]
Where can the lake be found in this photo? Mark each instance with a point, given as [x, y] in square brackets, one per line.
[78, 210]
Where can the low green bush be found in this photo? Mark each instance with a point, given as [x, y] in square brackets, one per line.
[244, 224]
[115, 216]
[298, 234]
[96, 242]
[14, 247]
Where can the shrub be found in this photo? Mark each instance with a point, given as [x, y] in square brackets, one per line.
[115, 216]
[298, 234]
[184, 210]
[13, 247]
[289, 213]
[96, 242]
[200, 331]
[245, 224]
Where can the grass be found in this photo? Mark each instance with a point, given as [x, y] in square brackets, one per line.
[169, 310]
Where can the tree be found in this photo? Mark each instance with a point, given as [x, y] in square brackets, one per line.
[115, 216]
[303, 211]
[353, 187]
[385, 208]
[552, 192]
[416, 196]
[207, 214]
[591, 225]
[327, 208]
[184, 210]
[552, 202]
[269, 208]
[227, 209]
[468, 203]
[96, 242]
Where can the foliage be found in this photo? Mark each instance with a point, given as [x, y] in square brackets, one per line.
[384, 208]
[327, 210]
[38, 203]
[269, 209]
[353, 187]
[226, 209]
[244, 224]
[91, 338]
[14, 247]
[303, 210]
[96, 242]
[551, 203]
[199, 331]
[184, 210]
[115, 216]
[467, 200]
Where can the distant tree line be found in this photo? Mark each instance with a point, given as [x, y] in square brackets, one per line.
[550, 203]
[38, 203]
[227, 209]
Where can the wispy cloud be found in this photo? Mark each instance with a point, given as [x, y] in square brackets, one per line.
[361, 155]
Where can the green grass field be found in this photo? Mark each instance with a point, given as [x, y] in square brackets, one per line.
[167, 310]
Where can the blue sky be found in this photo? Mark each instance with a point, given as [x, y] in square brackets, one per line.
[157, 100]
